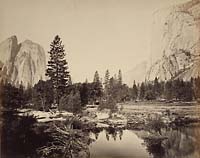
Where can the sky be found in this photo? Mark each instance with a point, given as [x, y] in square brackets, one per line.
[97, 34]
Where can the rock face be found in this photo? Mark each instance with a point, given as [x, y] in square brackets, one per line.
[22, 63]
[176, 43]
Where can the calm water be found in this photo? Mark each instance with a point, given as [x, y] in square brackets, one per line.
[125, 144]
[181, 143]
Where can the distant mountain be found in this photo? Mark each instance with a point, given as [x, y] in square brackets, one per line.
[176, 43]
[22, 63]
[137, 74]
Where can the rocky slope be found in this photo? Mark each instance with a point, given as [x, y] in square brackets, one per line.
[22, 63]
[176, 43]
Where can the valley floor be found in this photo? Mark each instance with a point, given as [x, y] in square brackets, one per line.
[130, 115]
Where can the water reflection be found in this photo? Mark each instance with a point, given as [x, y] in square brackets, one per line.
[117, 143]
[174, 143]
[180, 142]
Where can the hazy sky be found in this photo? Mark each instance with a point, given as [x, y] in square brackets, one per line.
[98, 34]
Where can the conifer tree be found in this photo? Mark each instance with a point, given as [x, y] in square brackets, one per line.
[96, 77]
[142, 91]
[134, 91]
[120, 77]
[57, 70]
[97, 86]
[156, 88]
[106, 81]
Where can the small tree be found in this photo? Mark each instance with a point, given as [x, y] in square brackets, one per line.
[57, 69]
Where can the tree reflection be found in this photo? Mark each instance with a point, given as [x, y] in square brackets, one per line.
[120, 134]
[110, 132]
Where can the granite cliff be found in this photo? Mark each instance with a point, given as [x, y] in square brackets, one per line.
[21, 63]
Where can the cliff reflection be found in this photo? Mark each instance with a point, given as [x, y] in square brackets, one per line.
[179, 143]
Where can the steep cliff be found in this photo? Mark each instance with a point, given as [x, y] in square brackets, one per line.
[22, 63]
[176, 43]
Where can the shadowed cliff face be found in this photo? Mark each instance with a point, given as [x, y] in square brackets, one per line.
[176, 43]
[22, 63]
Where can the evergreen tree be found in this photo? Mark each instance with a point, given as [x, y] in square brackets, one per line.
[156, 88]
[57, 69]
[96, 77]
[134, 91]
[120, 77]
[106, 82]
[97, 87]
[142, 91]
[84, 94]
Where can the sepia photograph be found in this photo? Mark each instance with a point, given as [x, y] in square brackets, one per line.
[99, 78]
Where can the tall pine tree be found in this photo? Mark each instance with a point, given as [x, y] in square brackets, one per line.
[57, 69]
[106, 82]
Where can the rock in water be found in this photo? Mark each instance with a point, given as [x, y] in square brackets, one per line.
[176, 43]
[22, 63]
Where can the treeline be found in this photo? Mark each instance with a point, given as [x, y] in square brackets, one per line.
[106, 93]
[169, 90]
